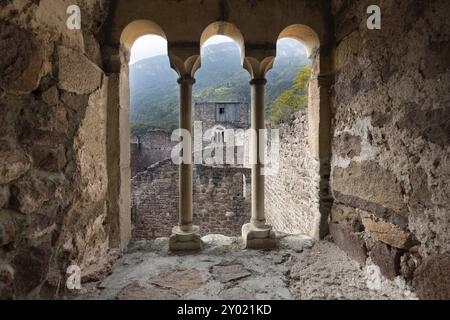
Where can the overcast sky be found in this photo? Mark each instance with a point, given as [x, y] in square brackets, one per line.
[150, 46]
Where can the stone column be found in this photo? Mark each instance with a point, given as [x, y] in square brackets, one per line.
[185, 236]
[256, 234]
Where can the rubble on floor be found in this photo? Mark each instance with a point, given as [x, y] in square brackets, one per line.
[299, 269]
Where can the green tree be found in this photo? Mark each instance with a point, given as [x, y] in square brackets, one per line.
[292, 99]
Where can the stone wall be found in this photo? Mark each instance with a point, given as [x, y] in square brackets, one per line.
[53, 178]
[220, 205]
[391, 140]
[292, 195]
[206, 113]
[152, 147]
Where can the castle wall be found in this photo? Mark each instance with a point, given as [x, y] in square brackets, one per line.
[292, 195]
[220, 204]
[206, 112]
[152, 147]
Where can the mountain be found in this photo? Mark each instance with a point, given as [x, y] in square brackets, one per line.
[154, 88]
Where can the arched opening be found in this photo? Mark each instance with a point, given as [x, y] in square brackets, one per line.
[221, 97]
[293, 196]
[119, 128]
[154, 114]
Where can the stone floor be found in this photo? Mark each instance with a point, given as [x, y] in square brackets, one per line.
[299, 269]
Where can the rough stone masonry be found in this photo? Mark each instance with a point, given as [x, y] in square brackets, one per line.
[64, 130]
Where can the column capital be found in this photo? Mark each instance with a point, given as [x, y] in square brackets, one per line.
[185, 67]
[258, 67]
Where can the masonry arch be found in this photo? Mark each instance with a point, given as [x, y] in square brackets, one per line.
[315, 139]
[184, 42]
[307, 36]
[218, 134]
[118, 127]
[137, 29]
[227, 29]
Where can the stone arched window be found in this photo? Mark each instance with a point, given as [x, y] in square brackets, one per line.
[218, 135]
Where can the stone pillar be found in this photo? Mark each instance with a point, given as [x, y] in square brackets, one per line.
[256, 234]
[185, 236]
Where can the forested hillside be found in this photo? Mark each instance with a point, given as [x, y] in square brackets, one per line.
[154, 89]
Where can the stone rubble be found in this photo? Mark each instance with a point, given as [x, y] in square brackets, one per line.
[299, 269]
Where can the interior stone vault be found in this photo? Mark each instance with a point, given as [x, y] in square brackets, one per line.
[378, 140]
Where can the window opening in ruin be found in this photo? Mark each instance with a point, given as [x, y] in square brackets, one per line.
[286, 107]
[292, 71]
[154, 110]
[221, 97]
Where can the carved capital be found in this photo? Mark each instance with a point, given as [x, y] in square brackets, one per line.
[185, 68]
[258, 68]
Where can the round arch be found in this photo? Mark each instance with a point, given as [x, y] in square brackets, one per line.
[118, 135]
[137, 29]
[307, 36]
[222, 28]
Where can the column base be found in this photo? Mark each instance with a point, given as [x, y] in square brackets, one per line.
[185, 241]
[258, 238]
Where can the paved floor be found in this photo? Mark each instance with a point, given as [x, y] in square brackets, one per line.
[299, 269]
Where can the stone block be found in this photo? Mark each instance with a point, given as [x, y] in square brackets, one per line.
[259, 238]
[409, 262]
[227, 273]
[297, 242]
[21, 61]
[49, 159]
[367, 180]
[387, 259]
[51, 96]
[183, 281]
[347, 216]
[387, 232]
[31, 265]
[136, 292]
[347, 145]
[7, 228]
[13, 162]
[30, 193]
[350, 242]
[432, 278]
[58, 121]
[6, 282]
[185, 241]
[4, 196]
[77, 74]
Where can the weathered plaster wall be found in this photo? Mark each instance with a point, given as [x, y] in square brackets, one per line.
[391, 142]
[53, 175]
[292, 195]
[220, 205]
